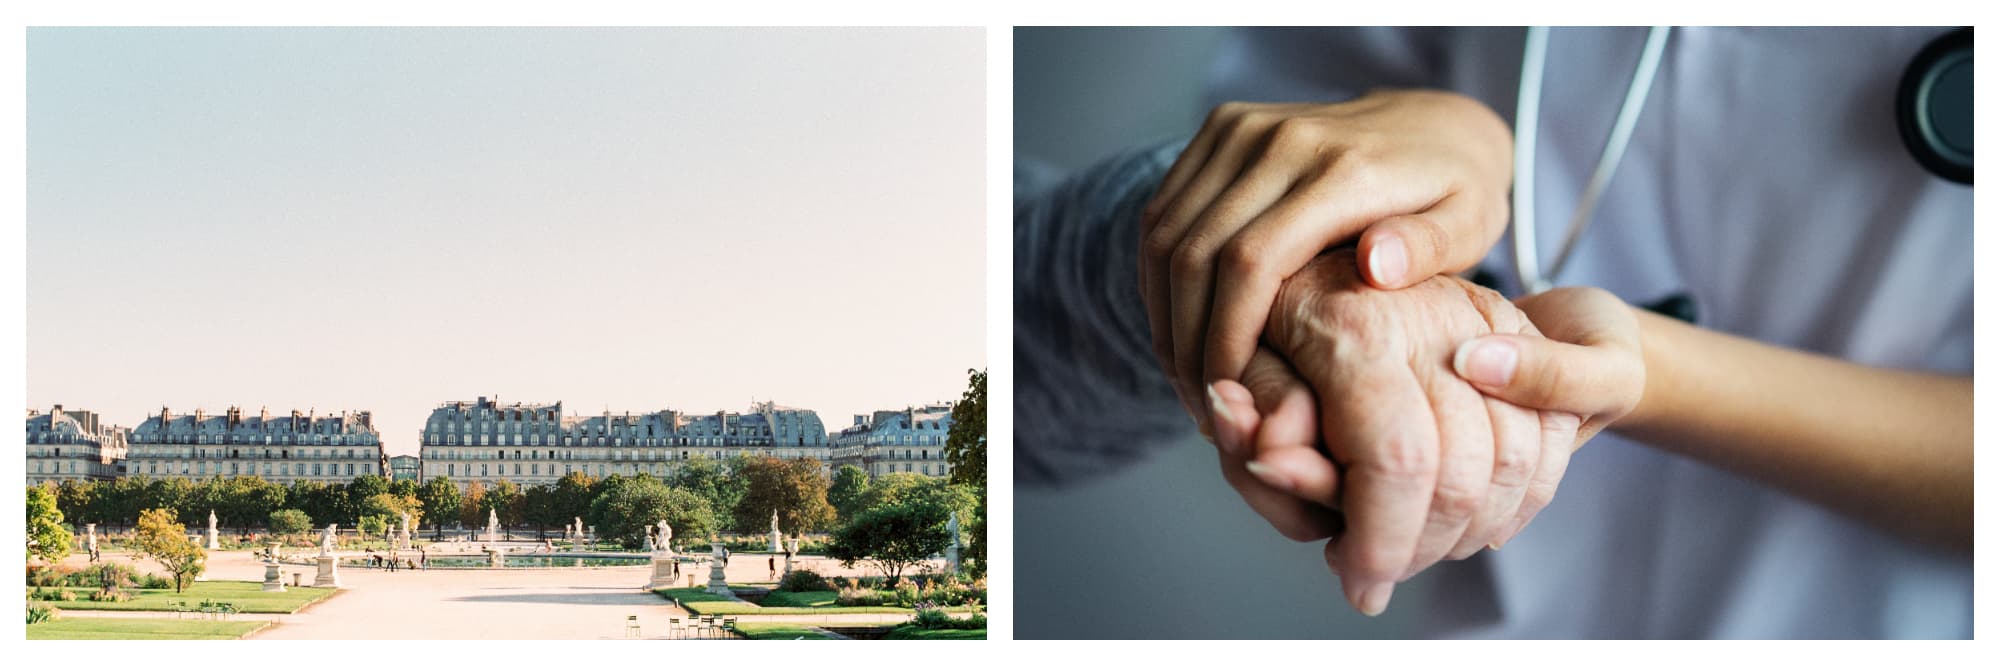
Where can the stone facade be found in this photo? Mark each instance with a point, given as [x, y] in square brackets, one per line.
[73, 445]
[537, 443]
[303, 445]
[910, 440]
[406, 468]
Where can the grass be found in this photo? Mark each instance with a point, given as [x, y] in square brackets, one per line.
[708, 604]
[109, 628]
[249, 598]
[802, 599]
[763, 631]
[913, 633]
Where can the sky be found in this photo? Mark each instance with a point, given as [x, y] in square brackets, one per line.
[389, 219]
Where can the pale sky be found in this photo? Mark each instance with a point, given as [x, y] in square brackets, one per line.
[387, 219]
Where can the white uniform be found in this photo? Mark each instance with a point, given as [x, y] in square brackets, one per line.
[1767, 180]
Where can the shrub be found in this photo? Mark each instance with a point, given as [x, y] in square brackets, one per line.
[155, 582]
[104, 575]
[931, 617]
[52, 594]
[109, 594]
[801, 580]
[47, 576]
[39, 613]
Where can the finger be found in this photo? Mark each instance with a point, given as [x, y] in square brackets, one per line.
[1465, 468]
[1194, 261]
[1450, 236]
[1284, 403]
[1189, 162]
[1294, 518]
[1165, 238]
[1378, 424]
[1544, 374]
[1236, 417]
[1558, 438]
[1326, 210]
[1517, 447]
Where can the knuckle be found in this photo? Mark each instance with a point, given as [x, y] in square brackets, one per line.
[1455, 502]
[1158, 246]
[1244, 256]
[1296, 131]
[1512, 465]
[1191, 259]
[1375, 562]
[1403, 459]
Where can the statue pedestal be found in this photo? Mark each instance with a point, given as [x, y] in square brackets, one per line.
[777, 542]
[663, 572]
[716, 584]
[272, 581]
[329, 572]
[496, 559]
[213, 543]
[951, 559]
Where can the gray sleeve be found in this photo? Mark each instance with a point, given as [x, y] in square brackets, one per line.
[1088, 395]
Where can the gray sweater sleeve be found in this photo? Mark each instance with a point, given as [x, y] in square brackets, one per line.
[1088, 395]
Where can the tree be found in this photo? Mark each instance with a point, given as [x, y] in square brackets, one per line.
[162, 536]
[73, 500]
[440, 496]
[715, 482]
[965, 445]
[792, 488]
[289, 521]
[894, 536]
[538, 508]
[505, 499]
[849, 483]
[358, 491]
[472, 509]
[626, 507]
[904, 486]
[244, 500]
[572, 496]
[389, 508]
[47, 538]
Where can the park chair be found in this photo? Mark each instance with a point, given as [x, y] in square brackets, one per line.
[227, 608]
[674, 627]
[179, 608]
[708, 626]
[729, 627]
[631, 626]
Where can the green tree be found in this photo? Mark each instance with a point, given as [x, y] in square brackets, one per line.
[538, 508]
[894, 536]
[572, 496]
[504, 498]
[371, 525]
[904, 486]
[793, 488]
[390, 508]
[716, 482]
[117, 502]
[167, 494]
[47, 538]
[289, 522]
[845, 493]
[358, 491]
[162, 536]
[245, 500]
[440, 498]
[965, 445]
[73, 500]
[625, 508]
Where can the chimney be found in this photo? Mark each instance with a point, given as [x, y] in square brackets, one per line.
[55, 413]
[164, 416]
[861, 419]
[264, 413]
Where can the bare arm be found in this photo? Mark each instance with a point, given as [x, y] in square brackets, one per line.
[1893, 448]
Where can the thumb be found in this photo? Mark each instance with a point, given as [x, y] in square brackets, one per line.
[1403, 250]
[1539, 373]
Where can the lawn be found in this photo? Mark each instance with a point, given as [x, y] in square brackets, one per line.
[107, 628]
[761, 631]
[912, 633]
[702, 602]
[249, 598]
[802, 599]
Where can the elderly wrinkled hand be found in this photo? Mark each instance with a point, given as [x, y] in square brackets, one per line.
[1353, 404]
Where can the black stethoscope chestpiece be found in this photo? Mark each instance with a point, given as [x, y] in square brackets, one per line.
[1934, 106]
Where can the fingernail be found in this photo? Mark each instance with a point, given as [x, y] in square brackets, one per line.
[1269, 475]
[1225, 430]
[1489, 362]
[1493, 546]
[1389, 261]
[1375, 599]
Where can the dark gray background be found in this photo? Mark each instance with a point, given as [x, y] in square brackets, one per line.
[1163, 549]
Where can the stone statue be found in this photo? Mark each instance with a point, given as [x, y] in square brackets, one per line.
[774, 520]
[666, 536]
[326, 540]
[952, 525]
[211, 520]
